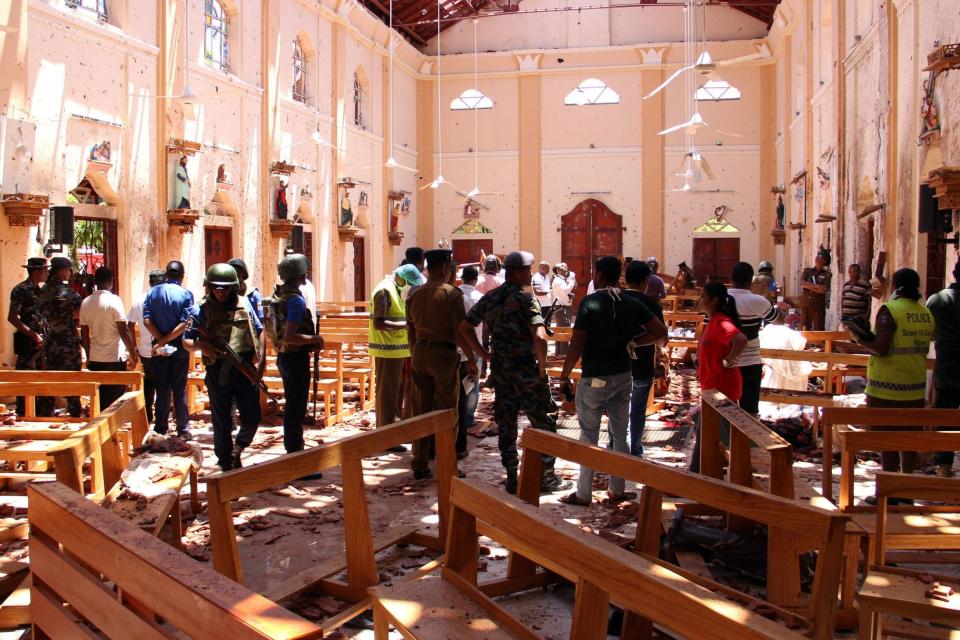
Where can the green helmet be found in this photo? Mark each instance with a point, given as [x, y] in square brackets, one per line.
[222, 275]
[293, 266]
[240, 266]
[766, 265]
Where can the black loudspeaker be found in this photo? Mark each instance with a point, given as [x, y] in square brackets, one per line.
[296, 238]
[931, 218]
[61, 225]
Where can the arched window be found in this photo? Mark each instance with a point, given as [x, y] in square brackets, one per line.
[215, 33]
[97, 7]
[358, 91]
[471, 99]
[592, 91]
[299, 72]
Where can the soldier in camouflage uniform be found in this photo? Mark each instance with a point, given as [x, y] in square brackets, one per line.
[518, 364]
[60, 305]
[25, 316]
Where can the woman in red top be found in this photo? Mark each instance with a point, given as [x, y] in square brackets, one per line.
[720, 346]
[721, 343]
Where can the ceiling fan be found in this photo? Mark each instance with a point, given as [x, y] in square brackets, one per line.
[694, 165]
[706, 66]
[693, 125]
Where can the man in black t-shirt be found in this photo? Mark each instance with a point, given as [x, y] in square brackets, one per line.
[606, 321]
[637, 277]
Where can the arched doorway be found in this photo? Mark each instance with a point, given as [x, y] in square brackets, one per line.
[589, 231]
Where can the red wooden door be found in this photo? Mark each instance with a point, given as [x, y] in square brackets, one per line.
[218, 245]
[359, 269]
[714, 258]
[588, 232]
[467, 250]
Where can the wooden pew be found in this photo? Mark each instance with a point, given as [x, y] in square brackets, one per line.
[902, 592]
[918, 434]
[348, 453]
[132, 380]
[745, 432]
[792, 526]
[79, 555]
[455, 606]
[673, 319]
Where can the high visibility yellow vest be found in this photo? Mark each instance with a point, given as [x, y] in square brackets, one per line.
[389, 343]
[902, 373]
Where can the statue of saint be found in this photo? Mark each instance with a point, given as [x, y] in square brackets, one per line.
[781, 212]
[182, 186]
[346, 210]
[281, 210]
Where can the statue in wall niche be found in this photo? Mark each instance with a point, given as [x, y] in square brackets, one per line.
[222, 177]
[361, 219]
[100, 152]
[394, 216]
[281, 209]
[781, 212]
[405, 207]
[346, 210]
[929, 114]
[182, 185]
[363, 201]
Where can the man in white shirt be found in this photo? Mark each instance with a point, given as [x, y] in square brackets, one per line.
[543, 286]
[753, 310]
[145, 342]
[491, 278]
[104, 333]
[564, 282]
[468, 400]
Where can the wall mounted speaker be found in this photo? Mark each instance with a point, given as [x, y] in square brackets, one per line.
[296, 238]
[61, 225]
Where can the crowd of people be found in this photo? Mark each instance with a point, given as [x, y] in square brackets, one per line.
[430, 340]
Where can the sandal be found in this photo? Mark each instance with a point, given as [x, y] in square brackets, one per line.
[575, 500]
[614, 498]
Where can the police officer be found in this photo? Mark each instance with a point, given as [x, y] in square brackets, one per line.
[518, 364]
[291, 329]
[254, 297]
[229, 316]
[60, 305]
[24, 315]
[434, 314]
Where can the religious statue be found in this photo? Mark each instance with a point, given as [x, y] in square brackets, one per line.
[405, 207]
[443, 244]
[305, 192]
[363, 201]
[346, 210]
[929, 114]
[781, 212]
[281, 210]
[395, 216]
[470, 209]
[222, 175]
[100, 152]
[182, 186]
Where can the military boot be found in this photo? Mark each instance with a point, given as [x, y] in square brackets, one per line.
[511, 484]
[235, 461]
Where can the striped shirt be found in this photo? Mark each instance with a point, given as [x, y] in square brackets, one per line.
[856, 300]
[753, 310]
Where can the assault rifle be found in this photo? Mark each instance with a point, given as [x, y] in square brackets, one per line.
[548, 315]
[246, 369]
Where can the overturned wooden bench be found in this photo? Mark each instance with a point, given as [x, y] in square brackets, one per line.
[360, 544]
[792, 527]
[95, 575]
[453, 605]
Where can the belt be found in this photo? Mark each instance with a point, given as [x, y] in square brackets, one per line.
[436, 344]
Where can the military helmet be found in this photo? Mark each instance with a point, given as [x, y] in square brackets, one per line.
[766, 265]
[293, 266]
[240, 266]
[222, 275]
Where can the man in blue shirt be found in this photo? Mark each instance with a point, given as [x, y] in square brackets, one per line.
[165, 312]
[229, 317]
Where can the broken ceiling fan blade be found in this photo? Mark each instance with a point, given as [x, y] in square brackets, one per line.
[391, 163]
[673, 77]
[702, 164]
